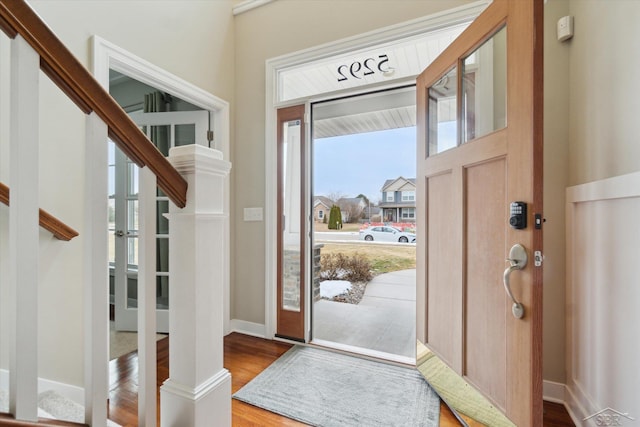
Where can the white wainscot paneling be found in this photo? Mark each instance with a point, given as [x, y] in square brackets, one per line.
[603, 296]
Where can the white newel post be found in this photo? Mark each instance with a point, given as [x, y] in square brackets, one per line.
[198, 391]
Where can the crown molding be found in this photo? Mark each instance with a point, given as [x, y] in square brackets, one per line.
[247, 5]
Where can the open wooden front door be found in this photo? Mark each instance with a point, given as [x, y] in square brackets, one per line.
[479, 150]
[291, 223]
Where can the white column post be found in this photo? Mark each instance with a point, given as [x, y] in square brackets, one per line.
[198, 391]
[24, 230]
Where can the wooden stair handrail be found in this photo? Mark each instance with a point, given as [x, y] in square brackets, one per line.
[59, 229]
[59, 64]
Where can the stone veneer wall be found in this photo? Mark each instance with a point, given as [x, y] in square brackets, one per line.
[291, 279]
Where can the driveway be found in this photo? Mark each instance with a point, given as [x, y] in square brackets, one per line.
[384, 321]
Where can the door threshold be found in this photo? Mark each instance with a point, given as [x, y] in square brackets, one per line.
[365, 353]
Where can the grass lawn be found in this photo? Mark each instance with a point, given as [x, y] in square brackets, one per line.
[383, 258]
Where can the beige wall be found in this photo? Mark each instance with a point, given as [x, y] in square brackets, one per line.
[556, 151]
[604, 66]
[193, 40]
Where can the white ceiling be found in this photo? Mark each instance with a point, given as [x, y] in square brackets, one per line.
[366, 113]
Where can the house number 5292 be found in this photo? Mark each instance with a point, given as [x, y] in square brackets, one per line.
[357, 69]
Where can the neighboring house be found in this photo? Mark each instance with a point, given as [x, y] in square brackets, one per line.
[321, 207]
[399, 200]
[372, 214]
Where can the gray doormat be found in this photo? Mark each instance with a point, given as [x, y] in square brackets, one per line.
[324, 388]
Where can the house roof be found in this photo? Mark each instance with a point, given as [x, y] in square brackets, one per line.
[390, 182]
[322, 200]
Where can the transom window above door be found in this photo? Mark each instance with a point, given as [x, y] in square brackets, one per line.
[378, 64]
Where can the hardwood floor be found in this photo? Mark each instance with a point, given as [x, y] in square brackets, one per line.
[245, 357]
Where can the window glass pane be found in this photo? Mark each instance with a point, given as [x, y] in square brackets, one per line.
[291, 205]
[484, 88]
[111, 206]
[132, 255]
[161, 137]
[162, 258]
[112, 180]
[162, 292]
[132, 182]
[185, 134]
[408, 196]
[111, 150]
[400, 59]
[443, 130]
[162, 224]
[132, 291]
[132, 216]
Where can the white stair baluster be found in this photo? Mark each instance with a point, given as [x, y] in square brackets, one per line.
[147, 359]
[24, 230]
[96, 273]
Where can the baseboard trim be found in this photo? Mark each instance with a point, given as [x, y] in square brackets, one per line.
[553, 391]
[69, 391]
[248, 328]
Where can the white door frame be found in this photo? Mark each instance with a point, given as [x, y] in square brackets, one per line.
[107, 56]
[392, 33]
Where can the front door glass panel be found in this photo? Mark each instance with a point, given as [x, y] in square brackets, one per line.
[291, 204]
[484, 88]
[442, 110]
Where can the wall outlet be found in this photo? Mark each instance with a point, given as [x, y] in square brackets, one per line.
[253, 214]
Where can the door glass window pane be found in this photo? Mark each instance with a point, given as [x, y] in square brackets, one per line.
[291, 205]
[132, 291]
[162, 292]
[484, 88]
[111, 206]
[162, 258]
[161, 137]
[162, 224]
[132, 255]
[441, 119]
[185, 134]
[132, 216]
[133, 182]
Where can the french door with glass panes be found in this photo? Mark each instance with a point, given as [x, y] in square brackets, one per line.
[165, 130]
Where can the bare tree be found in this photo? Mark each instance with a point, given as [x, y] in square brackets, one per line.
[334, 196]
[352, 209]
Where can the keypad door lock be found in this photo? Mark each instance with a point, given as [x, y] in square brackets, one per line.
[518, 215]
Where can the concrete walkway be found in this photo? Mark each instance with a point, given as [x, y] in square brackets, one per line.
[384, 321]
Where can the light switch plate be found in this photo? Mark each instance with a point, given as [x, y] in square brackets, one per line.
[253, 214]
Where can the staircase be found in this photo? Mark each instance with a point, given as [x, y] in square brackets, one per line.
[198, 389]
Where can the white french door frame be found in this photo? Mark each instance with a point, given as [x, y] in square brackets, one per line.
[392, 33]
[107, 56]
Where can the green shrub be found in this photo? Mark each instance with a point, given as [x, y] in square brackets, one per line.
[338, 266]
[335, 218]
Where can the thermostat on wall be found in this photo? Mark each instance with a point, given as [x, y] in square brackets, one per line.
[565, 28]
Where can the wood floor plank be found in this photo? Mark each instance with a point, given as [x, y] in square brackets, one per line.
[245, 357]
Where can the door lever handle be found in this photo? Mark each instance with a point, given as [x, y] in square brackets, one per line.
[518, 260]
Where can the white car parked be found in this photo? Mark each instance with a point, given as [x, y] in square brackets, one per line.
[386, 234]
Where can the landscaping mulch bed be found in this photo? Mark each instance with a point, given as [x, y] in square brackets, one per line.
[353, 295]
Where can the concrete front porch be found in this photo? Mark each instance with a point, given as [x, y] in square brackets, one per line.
[384, 320]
